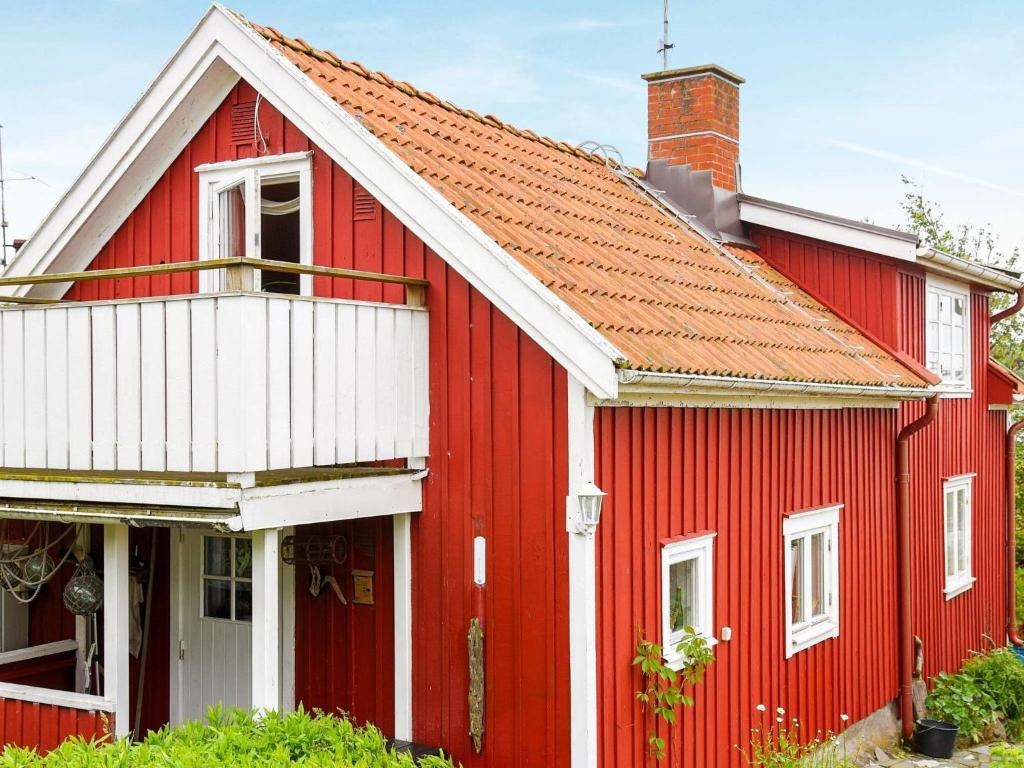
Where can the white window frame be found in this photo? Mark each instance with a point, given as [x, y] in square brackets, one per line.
[233, 578]
[961, 580]
[804, 525]
[217, 176]
[700, 549]
[952, 290]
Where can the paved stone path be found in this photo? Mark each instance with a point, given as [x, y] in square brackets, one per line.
[975, 756]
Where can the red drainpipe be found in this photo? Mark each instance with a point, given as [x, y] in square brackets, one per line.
[1010, 310]
[904, 583]
[1011, 532]
[1011, 501]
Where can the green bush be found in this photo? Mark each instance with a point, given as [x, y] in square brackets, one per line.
[1000, 674]
[958, 699]
[236, 739]
[1005, 756]
[1020, 589]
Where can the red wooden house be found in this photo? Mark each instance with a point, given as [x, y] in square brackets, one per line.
[309, 351]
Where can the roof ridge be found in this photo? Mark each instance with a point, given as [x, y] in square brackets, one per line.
[329, 57]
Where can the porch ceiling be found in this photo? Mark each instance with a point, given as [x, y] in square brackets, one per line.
[253, 501]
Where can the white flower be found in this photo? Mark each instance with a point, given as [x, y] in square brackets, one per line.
[780, 710]
[761, 707]
[844, 717]
[778, 720]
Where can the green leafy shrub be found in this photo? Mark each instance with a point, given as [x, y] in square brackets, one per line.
[1000, 674]
[1006, 756]
[958, 699]
[1020, 581]
[237, 739]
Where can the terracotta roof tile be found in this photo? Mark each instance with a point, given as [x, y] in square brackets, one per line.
[667, 298]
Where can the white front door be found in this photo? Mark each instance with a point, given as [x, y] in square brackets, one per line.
[211, 648]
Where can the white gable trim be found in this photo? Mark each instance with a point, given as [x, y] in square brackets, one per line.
[173, 109]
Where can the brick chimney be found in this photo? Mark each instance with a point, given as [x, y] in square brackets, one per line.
[693, 118]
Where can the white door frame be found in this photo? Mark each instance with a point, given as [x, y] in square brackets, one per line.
[285, 622]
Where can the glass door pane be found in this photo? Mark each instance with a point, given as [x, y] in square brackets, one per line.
[231, 221]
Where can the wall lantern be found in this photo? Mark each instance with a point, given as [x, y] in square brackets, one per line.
[590, 498]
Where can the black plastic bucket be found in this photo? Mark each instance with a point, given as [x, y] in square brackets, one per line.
[935, 738]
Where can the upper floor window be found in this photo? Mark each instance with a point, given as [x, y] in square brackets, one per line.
[811, 541]
[948, 332]
[260, 208]
[686, 593]
[956, 513]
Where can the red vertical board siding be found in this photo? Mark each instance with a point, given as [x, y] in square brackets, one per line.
[738, 472]
[347, 650]
[498, 467]
[966, 437]
[44, 726]
[861, 286]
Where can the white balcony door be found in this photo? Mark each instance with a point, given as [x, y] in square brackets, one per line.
[211, 658]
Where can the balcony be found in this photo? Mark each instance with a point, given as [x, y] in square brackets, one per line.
[234, 382]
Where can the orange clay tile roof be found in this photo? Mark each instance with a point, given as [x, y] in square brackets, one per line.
[667, 298]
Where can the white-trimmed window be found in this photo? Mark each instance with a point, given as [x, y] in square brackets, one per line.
[811, 541]
[260, 208]
[227, 578]
[686, 592]
[948, 332]
[956, 518]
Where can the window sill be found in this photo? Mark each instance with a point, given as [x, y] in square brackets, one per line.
[958, 588]
[811, 636]
[676, 661]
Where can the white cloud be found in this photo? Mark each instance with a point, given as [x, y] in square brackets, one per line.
[910, 162]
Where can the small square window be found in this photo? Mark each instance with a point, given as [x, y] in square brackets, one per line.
[227, 578]
[812, 577]
[947, 333]
[956, 513]
[686, 583]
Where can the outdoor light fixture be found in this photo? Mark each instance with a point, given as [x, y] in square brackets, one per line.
[590, 497]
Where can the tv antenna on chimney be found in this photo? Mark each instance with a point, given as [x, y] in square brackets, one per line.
[666, 46]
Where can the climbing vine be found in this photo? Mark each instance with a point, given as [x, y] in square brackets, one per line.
[663, 687]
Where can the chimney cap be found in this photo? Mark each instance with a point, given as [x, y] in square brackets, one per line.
[702, 69]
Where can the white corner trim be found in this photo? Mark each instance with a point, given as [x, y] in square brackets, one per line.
[266, 614]
[116, 685]
[51, 697]
[820, 226]
[402, 526]
[582, 587]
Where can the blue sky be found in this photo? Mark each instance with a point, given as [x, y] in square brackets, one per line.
[841, 97]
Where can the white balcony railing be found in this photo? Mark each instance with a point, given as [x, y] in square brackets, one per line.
[235, 382]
